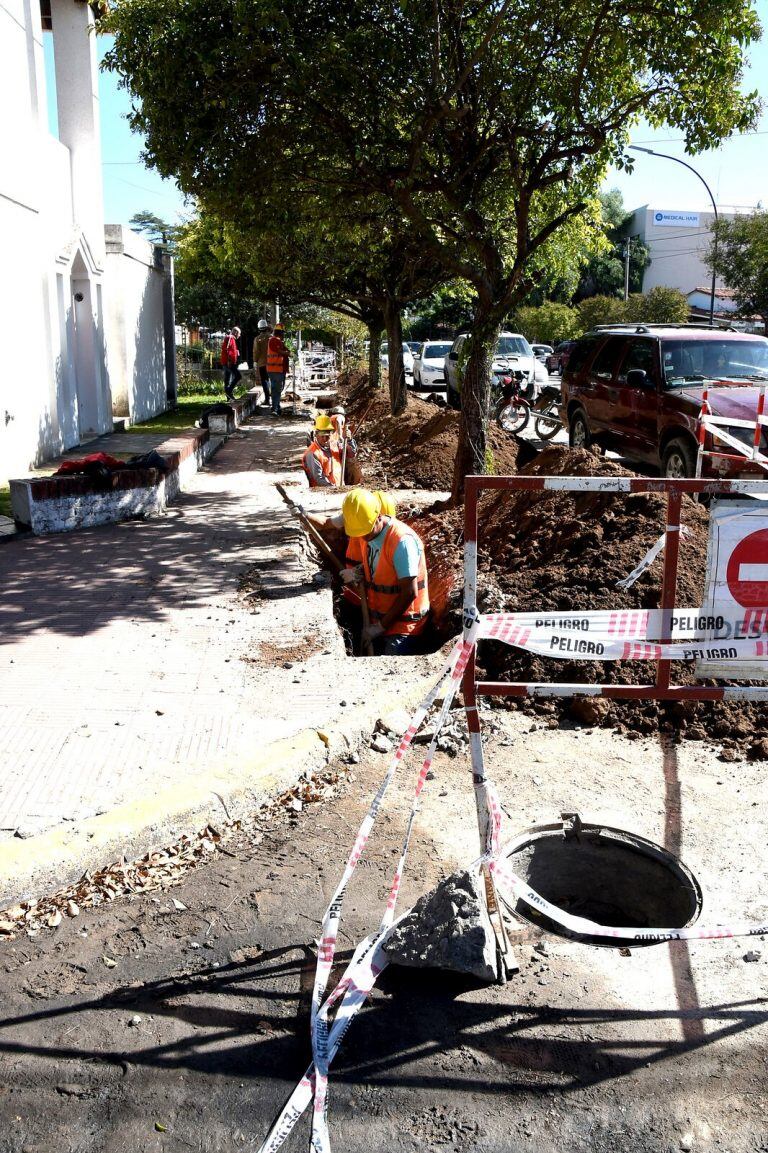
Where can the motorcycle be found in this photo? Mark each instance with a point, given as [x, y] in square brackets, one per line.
[547, 421]
[512, 410]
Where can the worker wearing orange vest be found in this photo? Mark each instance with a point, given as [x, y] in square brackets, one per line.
[277, 367]
[394, 573]
[356, 545]
[322, 462]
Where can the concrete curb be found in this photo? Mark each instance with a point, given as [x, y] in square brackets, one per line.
[42, 864]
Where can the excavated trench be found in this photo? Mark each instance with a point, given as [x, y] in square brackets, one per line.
[605, 875]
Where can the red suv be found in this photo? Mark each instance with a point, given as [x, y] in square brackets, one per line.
[636, 389]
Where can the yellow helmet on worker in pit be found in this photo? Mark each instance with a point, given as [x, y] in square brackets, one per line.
[323, 423]
[386, 503]
[361, 510]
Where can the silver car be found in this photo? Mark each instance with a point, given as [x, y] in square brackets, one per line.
[513, 354]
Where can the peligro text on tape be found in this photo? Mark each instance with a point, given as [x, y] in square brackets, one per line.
[513, 887]
[545, 641]
[646, 624]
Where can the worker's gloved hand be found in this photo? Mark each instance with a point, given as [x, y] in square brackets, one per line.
[352, 576]
[297, 511]
[372, 631]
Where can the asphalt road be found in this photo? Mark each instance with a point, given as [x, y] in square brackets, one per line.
[178, 1019]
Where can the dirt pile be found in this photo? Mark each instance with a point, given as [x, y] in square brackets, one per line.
[416, 449]
[553, 551]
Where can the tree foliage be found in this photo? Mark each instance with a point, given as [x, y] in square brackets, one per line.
[485, 126]
[739, 254]
[547, 323]
[604, 272]
[660, 305]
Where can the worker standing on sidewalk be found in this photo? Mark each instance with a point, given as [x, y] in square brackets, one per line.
[322, 462]
[277, 366]
[260, 356]
[230, 359]
[394, 574]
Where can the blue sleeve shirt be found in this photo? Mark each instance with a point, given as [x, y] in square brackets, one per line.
[406, 556]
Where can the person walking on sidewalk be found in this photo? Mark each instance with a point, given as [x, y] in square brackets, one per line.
[394, 572]
[260, 356]
[277, 366]
[230, 358]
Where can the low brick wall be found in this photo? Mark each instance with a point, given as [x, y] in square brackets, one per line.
[223, 424]
[62, 503]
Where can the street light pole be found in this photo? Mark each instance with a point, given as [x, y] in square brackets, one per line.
[677, 160]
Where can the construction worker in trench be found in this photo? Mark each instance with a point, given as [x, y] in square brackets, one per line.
[392, 570]
[322, 461]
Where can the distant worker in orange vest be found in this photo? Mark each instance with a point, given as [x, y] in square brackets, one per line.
[230, 358]
[277, 367]
[260, 357]
[394, 571]
[322, 461]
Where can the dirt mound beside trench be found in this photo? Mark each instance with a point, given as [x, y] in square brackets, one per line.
[553, 551]
[417, 448]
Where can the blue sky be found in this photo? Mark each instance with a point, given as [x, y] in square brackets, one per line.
[736, 172]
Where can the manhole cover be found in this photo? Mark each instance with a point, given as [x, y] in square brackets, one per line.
[605, 875]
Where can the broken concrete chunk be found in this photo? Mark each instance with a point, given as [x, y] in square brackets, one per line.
[380, 743]
[752, 955]
[448, 929]
[396, 721]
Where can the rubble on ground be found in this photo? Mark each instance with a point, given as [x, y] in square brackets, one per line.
[448, 929]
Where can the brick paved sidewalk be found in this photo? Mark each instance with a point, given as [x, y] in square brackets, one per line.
[132, 661]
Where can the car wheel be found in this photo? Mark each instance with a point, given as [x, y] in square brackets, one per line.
[679, 460]
[454, 399]
[578, 431]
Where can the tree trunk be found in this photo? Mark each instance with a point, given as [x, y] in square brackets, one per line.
[471, 452]
[398, 396]
[374, 349]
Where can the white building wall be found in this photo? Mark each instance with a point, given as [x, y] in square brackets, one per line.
[677, 250]
[133, 286]
[56, 294]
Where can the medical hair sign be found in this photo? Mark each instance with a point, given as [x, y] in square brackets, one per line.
[736, 586]
[676, 219]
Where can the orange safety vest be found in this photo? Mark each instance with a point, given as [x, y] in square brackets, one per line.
[331, 465]
[383, 586]
[276, 354]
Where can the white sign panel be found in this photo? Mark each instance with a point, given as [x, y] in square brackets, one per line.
[736, 587]
[676, 219]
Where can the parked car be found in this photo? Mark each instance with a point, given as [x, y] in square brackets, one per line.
[407, 358]
[428, 365]
[557, 359]
[513, 354]
[414, 345]
[637, 389]
[542, 351]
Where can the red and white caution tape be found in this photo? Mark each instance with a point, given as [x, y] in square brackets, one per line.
[513, 888]
[544, 639]
[369, 958]
[650, 557]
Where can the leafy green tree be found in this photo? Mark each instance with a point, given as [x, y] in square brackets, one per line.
[739, 255]
[487, 127]
[156, 230]
[548, 323]
[604, 272]
[660, 305]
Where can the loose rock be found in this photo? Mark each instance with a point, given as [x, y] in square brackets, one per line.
[448, 929]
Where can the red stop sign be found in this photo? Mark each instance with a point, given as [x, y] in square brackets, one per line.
[747, 572]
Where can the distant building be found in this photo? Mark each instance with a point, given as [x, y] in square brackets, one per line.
[677, 242]
[86, 317]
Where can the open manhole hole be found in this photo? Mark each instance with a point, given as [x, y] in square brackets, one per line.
[605, 875]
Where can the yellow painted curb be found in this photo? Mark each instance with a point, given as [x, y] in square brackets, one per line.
[44, 863]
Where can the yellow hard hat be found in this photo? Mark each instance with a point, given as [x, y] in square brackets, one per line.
[386, 503]
[361, 510]
[323, 423]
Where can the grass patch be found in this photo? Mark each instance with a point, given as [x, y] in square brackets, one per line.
[188, 409]
[5, 500]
